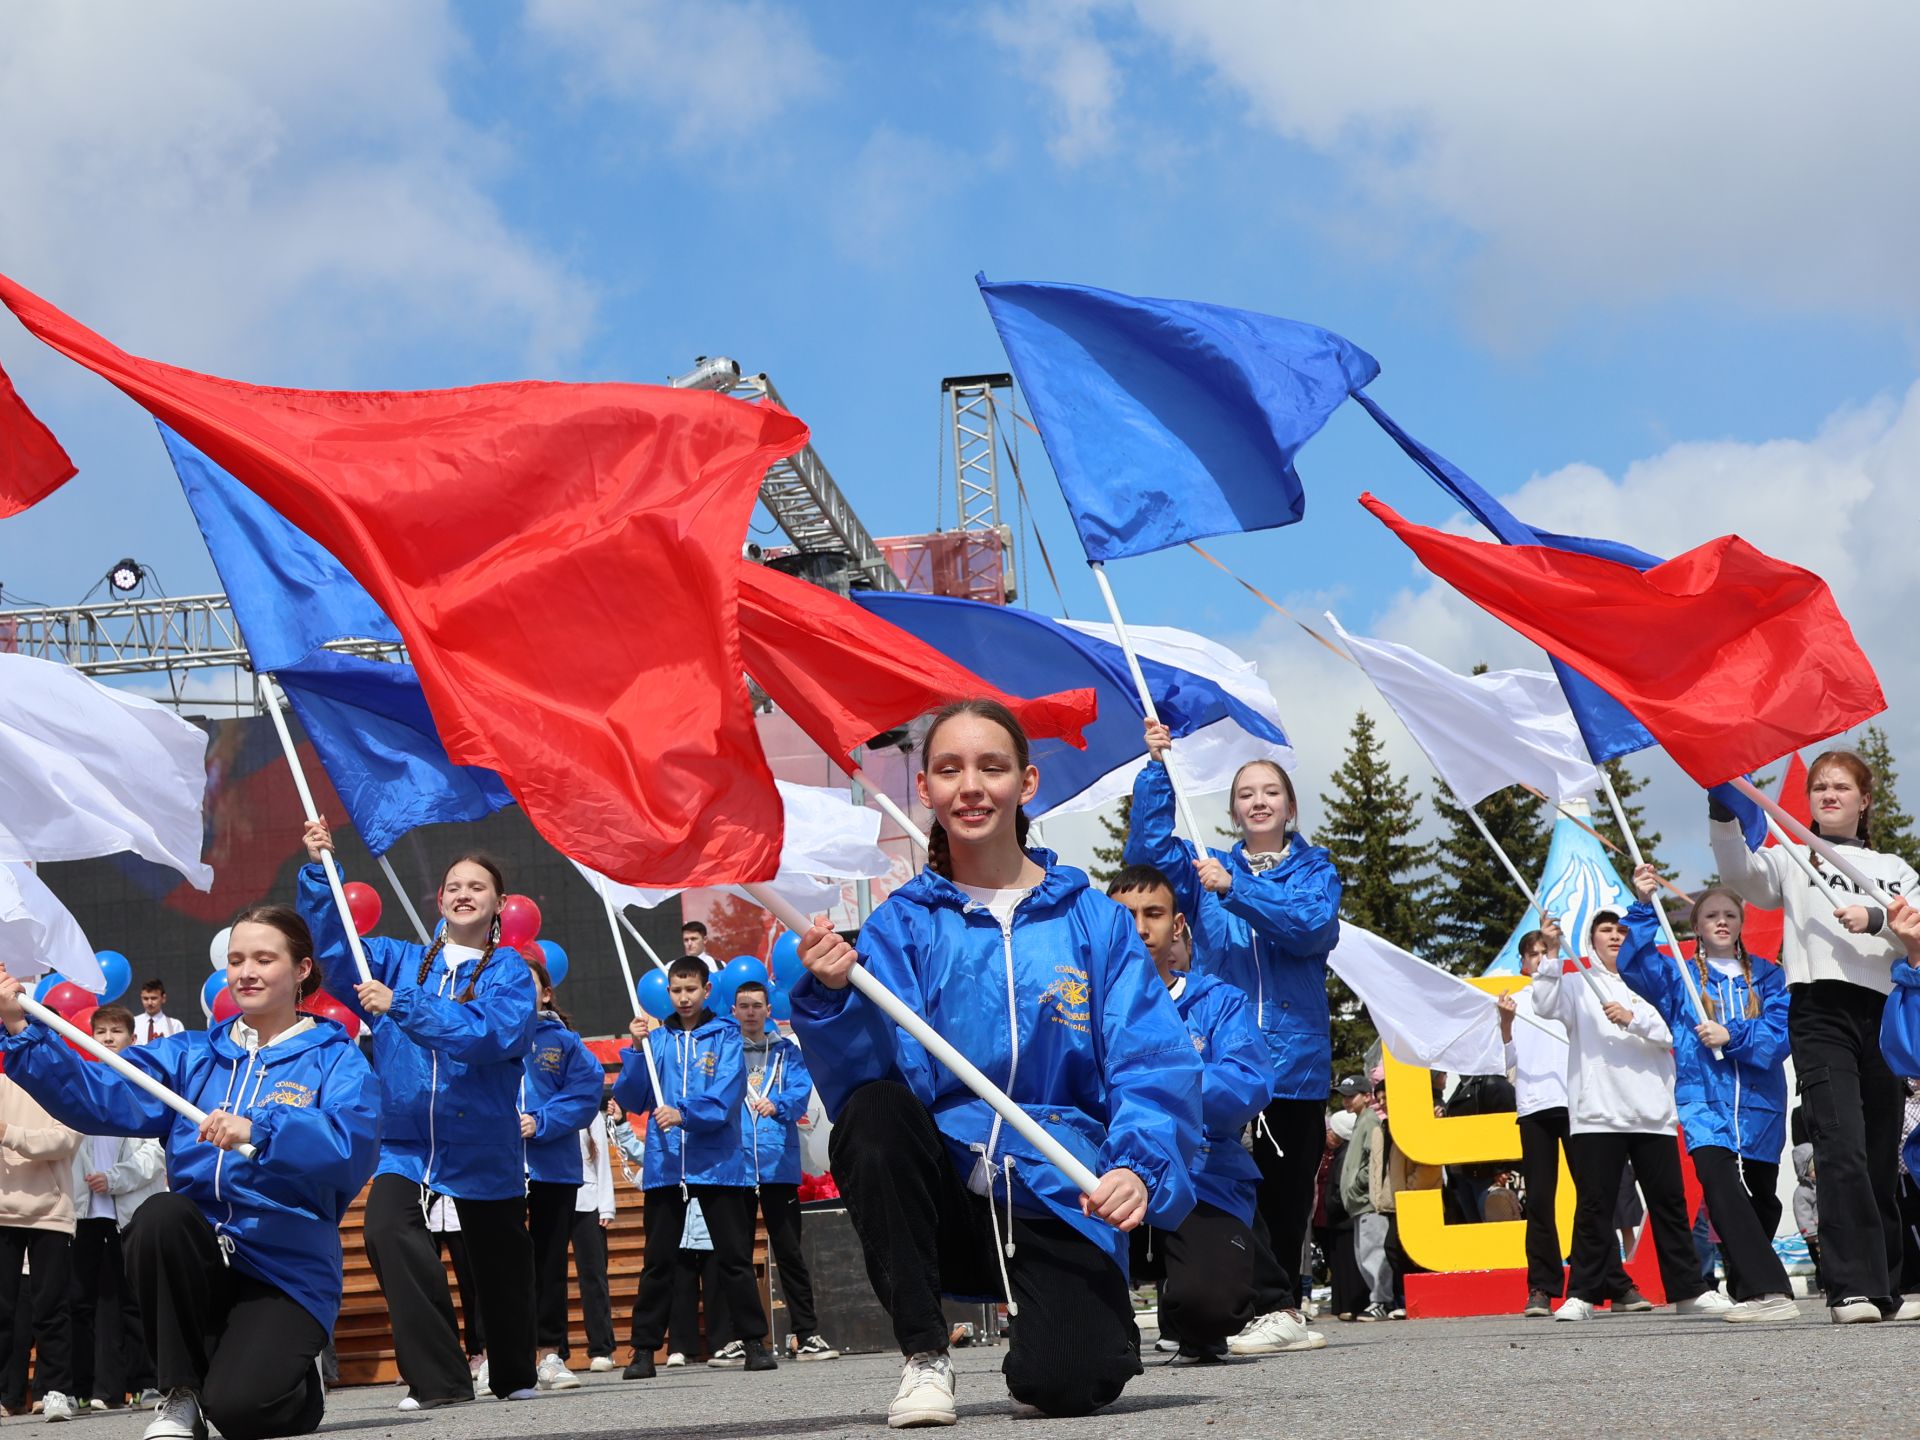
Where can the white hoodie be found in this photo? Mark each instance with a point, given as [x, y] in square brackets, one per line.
[1538, 1061]
[1817, 946]
[1619, 1081]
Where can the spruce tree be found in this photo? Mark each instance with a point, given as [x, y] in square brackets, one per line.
[1626, 785]
[1478, 907]
[1892, 828]
[1108, 858]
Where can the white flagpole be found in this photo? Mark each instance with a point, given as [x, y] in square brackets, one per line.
[1146, 704]
[271, 700]
[406, 900]
[1659, 909]
[633, 994]
[1526, 891]
[888, 808]
[641, 940]
[1826, 850]
[1799, 857]
[937, 1046]
[65, 1028]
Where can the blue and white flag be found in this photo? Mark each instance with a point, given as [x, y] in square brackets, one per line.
[1577, 883]
[1213, 701]
[1170, 420]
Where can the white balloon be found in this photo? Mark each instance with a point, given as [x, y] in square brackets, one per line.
[217, 951]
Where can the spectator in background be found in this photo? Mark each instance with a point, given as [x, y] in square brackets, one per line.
[1333, 1227]
[1356, 1198]
[1806, 1209]
[693, 941]
[36, 1226]
[593, 1214]
[1467, 1185]
[153, 1022]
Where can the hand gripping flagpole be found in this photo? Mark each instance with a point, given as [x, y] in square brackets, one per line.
[1147, 705]
[406, 900]
[127, 1071]
[1659, 909]
[271, 700]
[936, 1045]
[633, 991]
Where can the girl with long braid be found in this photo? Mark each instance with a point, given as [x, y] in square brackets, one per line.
[1733, 1110]
[452, 1023]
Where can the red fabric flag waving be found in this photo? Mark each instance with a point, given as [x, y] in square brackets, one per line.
[1730, 657]
[562, 561]
[846, 676]
[32, 464]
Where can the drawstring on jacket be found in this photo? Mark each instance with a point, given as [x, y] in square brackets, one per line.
[1003, 1251]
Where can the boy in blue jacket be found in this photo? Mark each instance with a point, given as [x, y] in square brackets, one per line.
[1206, 1265]
[692, 1153]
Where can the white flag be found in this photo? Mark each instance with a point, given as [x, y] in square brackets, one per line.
[827, 835]
[87, 770]
[38, 933]
[1425, 1016]
[1482, 732]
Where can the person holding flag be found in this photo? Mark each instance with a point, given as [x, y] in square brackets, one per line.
[452, 1023]
[1838, 976]
[237, 1268]
[946, 1197]
[1733, 1111]
[1264, 919]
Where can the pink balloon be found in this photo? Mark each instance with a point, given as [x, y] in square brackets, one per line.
[519, 921]
[225, 1007]
[82, 1020]
[68, 999]
[363, 903]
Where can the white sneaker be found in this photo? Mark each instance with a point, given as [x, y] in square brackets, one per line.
[407, 1405]
[525, 1393]
[483, 1379]
[177, 1417]
[600, 1364]
[1909, 1308]
[1574, 1309]
[1021, 1410]
[1855, 1310]
[926, 1393]
[1171, 1347]
[553, 1374]
[1764, 1307]
[55, 1406]
[1707, 1302]
[1274, 1333]
[676, 1360]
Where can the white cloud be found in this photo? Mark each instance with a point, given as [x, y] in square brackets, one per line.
[893, 190]
[1055, 46]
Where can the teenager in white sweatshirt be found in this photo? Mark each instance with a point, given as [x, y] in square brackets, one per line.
[1839, 970]
[1619, 1108]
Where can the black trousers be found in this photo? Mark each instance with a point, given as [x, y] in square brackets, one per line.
[1287, 1180]
[1541, 1136]
[1852, 1103]
[248, 1349]
[924, 1234]
[99, 1327]
[1909, 1200]
[1745, 1213]
[697, 1296]
[590, 1265]
[730, 1223]
[1205, 1270]
[550, 1228]
[1598, 1162]
[780, 1210]
[455, 1245]
[1348, 1286]
[51, 1256]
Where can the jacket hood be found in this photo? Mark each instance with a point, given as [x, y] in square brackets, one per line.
[1062, 883]
[322, 1032]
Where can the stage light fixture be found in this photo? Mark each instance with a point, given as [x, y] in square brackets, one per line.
[127, 575]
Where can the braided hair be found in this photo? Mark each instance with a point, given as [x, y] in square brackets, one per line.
[939, 850]
[1739, 950]
[492, 867]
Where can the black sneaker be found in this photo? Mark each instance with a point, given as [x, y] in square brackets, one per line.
[1538, 1303]
[758, 1357]
[1198, 1355]
[1632, 1303]
[815, 1347]
[640, 1367]
[729, 1356]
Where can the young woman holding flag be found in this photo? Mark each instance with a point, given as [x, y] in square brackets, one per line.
[1264, 918]
[945, 1197]
[452, 1024]
[1733, 1109]
[236, 1268]
[1838, 971]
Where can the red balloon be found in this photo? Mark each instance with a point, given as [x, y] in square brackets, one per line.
[326, 1007]
[519, 921]
[363, 903]
[82, 1020]
[225, 1007]
[68, 999]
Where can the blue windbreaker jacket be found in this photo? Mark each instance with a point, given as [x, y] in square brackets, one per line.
[1269, 936]
[562, 1093]
[770, 1144]
[706, 1081]
[1738, 1103]
[313, 1105]
[1236, 1081]
[449, 1073]
[1063, 1011]
[1900, 1039]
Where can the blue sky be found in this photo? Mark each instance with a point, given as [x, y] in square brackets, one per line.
[1650, 278]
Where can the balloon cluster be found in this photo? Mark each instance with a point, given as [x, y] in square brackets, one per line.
[652, 991]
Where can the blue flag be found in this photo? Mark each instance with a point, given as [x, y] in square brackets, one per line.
[370, 723]
[1605, 724]
[368, 719]
[289, 595]
[1170, 420]
[1028, 654]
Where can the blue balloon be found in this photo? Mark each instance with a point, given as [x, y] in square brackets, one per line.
[787, 968]
[215, 983]
[744, 967]
[119, 972]
[47, 982]
[556, 960]
[780, 1002]
[651, 991]
[721, 1000]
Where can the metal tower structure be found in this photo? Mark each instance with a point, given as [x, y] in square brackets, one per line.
[973, 422]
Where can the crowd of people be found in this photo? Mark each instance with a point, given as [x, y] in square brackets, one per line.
[1173, 1033]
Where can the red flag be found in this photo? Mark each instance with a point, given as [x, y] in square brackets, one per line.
[562, 561]
[1762, 930]
[1730, 657]
[846, 676]
[32, 464]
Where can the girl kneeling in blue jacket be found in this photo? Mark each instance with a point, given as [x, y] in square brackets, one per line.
[1264, 918]
[1043, 984]
[1733, 1111]
[237, 1268]
[452, 1023]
